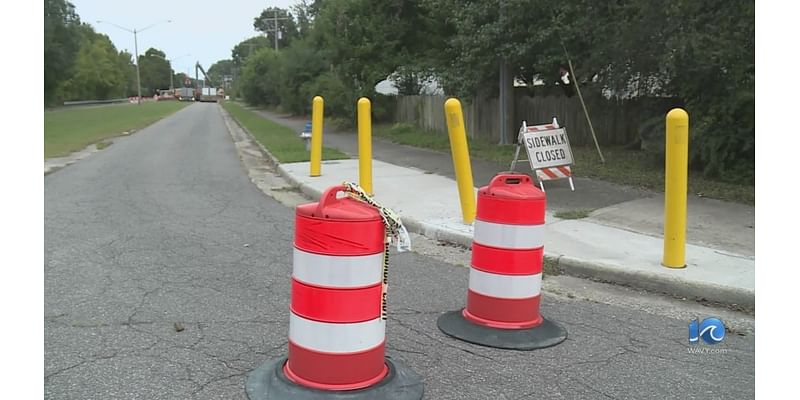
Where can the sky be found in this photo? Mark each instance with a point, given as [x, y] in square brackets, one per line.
[206, 30]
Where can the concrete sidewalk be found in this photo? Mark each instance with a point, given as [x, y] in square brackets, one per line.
[619, 242]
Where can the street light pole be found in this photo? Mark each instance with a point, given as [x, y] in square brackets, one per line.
[138, 75]
[136, 50]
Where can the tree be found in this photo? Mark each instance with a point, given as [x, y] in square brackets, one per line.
[700, 53]
[711, 60]
[261, 78]
[287, 27]
[128, 69]
[247, 47]
[154, 70]
[300, 66]
[97, 72]
[366, 41]
[305, 12]
[221, 69]
[61, 44]
[180, 80]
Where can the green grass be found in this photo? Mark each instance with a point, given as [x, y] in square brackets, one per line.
[573, 214]
[72, 129]
[102, 145]
[623, 166]
[284, 143]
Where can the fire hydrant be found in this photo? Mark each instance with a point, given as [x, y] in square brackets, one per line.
[306, 135]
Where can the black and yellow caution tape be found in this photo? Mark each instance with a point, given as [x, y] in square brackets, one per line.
[394, 230]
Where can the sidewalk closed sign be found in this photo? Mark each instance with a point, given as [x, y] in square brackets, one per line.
[549, 148]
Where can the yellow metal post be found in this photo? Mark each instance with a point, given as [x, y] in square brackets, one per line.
[316, 136]
[676, 170]
[365, 145]
[461, 163]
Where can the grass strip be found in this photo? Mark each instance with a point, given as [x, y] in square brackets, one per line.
[623, 166]
[71, 129]
[284, 143]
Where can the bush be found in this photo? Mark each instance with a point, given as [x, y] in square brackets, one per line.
[300, 66]
[261, 78]
[340, 101]
[383, 107]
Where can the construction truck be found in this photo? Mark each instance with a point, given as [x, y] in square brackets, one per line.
[205, 92]
[184, 94]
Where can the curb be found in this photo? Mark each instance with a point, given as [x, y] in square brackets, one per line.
[673, 286]
[571, 266]
[270, 158]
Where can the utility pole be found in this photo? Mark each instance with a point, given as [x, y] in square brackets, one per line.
[135, 32]
[275, 29]
[138, 76]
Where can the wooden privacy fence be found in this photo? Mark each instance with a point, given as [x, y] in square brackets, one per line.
[615, 121]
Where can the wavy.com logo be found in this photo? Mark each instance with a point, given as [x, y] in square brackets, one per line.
[711, 330]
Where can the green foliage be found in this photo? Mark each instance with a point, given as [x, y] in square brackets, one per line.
[99, 72]
[265, 23]
[342, 56]
[154, 70]
[62, 41]
[340, 100]
[713, 64]
[383, 107]
[701, 54]
[248, 47]
[366, 41]
[305, 13]
[261, 78]
[300, 66]
[220, 69]
[79, 63]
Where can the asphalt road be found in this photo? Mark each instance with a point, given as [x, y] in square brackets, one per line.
[167, 277]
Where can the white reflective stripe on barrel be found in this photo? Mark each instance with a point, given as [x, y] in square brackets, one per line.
[509, 236]
[504, 286]
[336, 338]
[337, 271]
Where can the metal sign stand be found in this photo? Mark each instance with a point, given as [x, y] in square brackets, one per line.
[520, 139]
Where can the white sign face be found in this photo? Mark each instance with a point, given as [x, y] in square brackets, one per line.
[547, 148]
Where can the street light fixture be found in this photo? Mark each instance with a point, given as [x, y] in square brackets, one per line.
[136, 49]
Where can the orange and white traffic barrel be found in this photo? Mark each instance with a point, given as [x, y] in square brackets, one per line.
[337, 335]
[505, 277]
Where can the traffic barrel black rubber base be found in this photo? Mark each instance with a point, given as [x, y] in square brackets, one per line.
[269, 382]
[547, 334]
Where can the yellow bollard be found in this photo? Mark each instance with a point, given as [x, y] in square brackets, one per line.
[461, 163]
[676, 170]
[316, 136]
[365, 145]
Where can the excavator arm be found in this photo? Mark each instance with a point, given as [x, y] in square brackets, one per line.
[197, 66]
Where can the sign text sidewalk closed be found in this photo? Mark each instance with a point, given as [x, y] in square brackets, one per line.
[548, 148]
